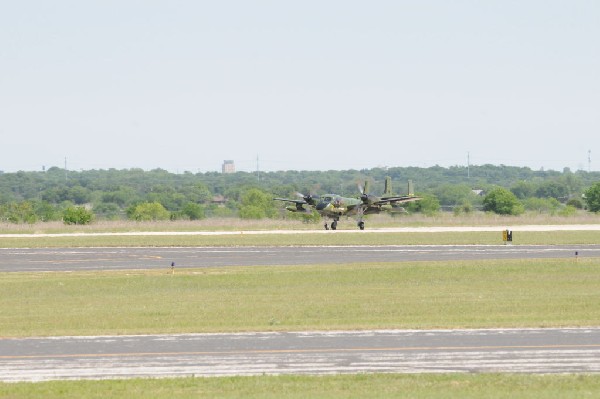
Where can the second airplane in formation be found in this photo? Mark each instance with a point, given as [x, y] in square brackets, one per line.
[333, 206]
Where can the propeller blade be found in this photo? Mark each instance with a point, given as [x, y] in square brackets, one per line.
[308, 198]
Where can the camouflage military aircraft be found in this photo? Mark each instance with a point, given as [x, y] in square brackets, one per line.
[333, 206]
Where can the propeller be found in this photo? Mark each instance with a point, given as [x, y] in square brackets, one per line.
[308, 198]
[365, 197]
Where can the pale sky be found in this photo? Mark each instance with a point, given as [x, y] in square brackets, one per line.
[299, 85]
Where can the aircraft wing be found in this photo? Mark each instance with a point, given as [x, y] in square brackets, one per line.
[297, 202]
[397, 200]
[299, 205]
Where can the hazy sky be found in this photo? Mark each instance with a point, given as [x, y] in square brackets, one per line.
[300, 85]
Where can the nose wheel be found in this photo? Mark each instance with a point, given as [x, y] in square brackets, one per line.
[361, 225]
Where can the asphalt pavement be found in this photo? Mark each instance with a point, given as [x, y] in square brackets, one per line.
[565, 350]
[79, 259]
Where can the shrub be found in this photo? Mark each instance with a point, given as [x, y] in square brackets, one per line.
[149, 211]
[77, 215]
[193, 211]
[575, 203]
[256, 204]
[502, 202]
[428, 206]
[592, 198]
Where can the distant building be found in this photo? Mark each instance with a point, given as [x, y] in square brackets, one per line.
[228, 167]
[219, 200]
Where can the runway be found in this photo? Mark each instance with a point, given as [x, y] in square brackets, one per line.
[79, 259]
[385, 351]
[567, 350]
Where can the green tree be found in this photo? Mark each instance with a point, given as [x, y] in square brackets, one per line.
[575, 203]
[77, 215]
[79, 195]
[552, 189]
[429, 205]
[592, 197]
[542, 205]
[503, 202]
[121, 196]
[217, 211]
[193, 211]
[567, 211]
[465, 208]
[256, 204]
[148, 211]
[47, 212]
[198, 193]
[21, 212]
[523, 189]
[108, 211]
[453, 194]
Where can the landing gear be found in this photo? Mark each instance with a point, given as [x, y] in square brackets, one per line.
[333, 225]
[360, 213]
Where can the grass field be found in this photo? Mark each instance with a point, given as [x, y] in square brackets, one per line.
[467, 294]
[235, 224]
[329, 238]
[446, 386]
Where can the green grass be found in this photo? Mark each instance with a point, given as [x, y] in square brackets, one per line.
[446, 386]
[466, 294]
[372, 221]
[330, 238]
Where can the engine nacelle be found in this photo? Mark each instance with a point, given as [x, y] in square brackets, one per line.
[297, 208]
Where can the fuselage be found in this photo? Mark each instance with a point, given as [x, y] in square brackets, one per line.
[333, 205]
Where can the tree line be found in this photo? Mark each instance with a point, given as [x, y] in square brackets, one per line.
[82, 196]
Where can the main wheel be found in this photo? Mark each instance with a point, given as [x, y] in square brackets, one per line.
[334, 225]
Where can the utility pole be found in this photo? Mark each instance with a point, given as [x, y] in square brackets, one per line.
[65, 168]
[257, 169]
[468, 165]
[589, 161]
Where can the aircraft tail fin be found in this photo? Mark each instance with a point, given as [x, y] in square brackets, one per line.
[387, 192]
[366, 188]
[411, 189]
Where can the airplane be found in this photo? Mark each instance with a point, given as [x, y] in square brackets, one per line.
[333, 206]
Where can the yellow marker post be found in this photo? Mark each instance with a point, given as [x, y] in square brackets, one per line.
[172, 268]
